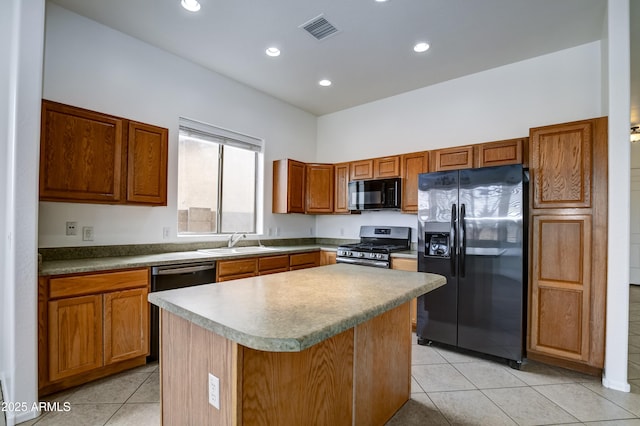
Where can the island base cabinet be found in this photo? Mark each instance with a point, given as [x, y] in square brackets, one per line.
[361, 376]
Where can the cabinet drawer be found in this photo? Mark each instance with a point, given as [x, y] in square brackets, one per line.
[244, 267]
[236, 277]
[269, 263]
[97, 283]
[304, 259]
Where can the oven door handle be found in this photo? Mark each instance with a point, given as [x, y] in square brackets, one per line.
[183, 270]
[375, 263]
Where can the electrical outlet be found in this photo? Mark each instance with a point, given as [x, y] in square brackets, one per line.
[165, 232]
[87, 233]
[72, 228]
[214, 391]
[270, 232]
[277, 231]
[342, 232]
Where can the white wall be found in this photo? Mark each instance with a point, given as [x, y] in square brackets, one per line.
[7, 38]
[618, 95]
[497, 104]
[94, 67]
[21, 35]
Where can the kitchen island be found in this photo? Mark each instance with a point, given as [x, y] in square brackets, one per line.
[327, 345]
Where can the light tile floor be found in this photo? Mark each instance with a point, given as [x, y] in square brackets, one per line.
[448, 388]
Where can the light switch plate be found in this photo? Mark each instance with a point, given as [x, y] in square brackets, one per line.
[87, 233]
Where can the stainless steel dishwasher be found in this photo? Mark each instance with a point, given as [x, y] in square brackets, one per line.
[169, 277]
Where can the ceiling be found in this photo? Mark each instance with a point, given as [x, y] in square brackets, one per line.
[371, 57]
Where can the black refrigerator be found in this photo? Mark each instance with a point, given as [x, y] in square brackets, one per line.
[472, 229]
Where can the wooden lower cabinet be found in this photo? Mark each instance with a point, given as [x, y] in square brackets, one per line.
[404, 264]
[86, 330]
[126, 319]
[561, 290]
[75, 336]
[304, 260]
[327, 257]
[234, 269]
[273, 264]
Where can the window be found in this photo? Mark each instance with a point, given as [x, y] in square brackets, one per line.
[217, 180]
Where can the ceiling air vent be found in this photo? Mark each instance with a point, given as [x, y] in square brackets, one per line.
[319, 28]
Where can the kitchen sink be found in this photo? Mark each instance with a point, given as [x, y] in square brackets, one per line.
[238, 250]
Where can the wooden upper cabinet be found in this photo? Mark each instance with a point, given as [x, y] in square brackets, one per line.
[386, 167]
[288, 186]
[341, 188]
[319, 188]
[561, 162]
[90, 157]
[412, 165]
[147, 164]
[501, 153]
[81, 155]
[360, 170]
[460, 157]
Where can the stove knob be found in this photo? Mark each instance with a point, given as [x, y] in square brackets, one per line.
[379, 256]
[360, 254]
[348, 253]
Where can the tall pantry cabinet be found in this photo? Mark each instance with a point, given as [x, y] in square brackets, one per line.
[568, 244]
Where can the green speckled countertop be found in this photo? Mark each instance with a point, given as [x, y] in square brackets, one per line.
[95, 264]
[292, 311]
[74, 266]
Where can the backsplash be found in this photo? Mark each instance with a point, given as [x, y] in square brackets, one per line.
[92, 252]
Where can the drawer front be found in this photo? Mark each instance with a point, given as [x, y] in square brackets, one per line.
[299, 259]
[236, 267]
[97, 283]
[236, 277]
[273, 262]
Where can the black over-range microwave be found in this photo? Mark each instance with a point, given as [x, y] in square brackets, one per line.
[376, 194]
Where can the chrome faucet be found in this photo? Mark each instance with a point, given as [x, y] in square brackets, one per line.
[233, 240]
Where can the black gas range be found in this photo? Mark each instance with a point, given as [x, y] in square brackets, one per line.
[375, 246]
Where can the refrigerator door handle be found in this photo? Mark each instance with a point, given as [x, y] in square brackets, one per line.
[463, 239]
[453, 240]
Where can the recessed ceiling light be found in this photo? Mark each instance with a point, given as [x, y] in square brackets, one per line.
[324, 83]
[421, 47]
[380, 1]
[191, 5]
[273, 51]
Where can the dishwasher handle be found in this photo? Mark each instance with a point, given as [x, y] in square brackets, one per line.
[172, 270]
